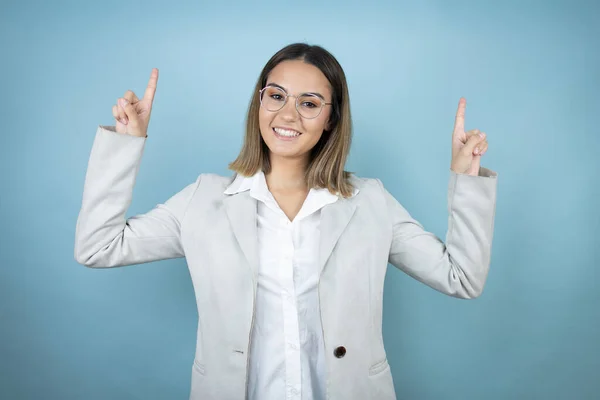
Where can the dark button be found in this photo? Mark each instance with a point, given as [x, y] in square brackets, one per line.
[339, 352]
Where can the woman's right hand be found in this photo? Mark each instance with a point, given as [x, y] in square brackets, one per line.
[132, 115]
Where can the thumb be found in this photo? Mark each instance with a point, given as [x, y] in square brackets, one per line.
[472, 142]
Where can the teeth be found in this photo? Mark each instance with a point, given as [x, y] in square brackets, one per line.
[286, 132]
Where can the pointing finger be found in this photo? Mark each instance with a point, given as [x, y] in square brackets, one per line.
[459, 122]
[151, 89]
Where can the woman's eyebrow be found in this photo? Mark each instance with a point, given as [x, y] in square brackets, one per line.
[285, 90]
[277, 86]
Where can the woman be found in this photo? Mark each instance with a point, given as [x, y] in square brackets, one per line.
[288, 257]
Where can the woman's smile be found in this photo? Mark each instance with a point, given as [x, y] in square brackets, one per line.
[286, 134]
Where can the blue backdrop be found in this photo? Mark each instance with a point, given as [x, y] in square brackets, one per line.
[529, 72]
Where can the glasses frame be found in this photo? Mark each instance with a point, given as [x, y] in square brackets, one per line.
[323, 104]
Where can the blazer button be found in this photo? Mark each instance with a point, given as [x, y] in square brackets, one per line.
[339, 352]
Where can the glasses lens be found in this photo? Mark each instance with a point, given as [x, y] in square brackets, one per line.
[309, 106]
[272, 98]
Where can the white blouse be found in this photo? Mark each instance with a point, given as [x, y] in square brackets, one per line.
[287, 359]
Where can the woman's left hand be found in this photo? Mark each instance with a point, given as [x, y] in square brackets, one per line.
[467, 147]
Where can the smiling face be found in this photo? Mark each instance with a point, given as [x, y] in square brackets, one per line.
[286, 133]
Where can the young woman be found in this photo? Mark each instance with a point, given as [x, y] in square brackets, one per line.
[288, 256]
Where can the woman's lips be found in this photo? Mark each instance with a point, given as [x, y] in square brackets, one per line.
[285, 138]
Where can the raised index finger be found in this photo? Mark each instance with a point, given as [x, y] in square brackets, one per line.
[151, 89]
[459, 122]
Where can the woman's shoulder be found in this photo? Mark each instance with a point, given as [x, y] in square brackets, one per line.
[215, 182]
[362, 182]
[211, 184]
[365, 185]
[217, 178]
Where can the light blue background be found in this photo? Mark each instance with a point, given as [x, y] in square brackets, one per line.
[529, 72]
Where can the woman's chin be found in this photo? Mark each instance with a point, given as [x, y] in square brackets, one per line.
[290, 152]
[285, 153]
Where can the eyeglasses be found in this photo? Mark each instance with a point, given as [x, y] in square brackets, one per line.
[309, 105]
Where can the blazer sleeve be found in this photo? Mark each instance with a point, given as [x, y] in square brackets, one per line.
[103, 237]
[458, 267]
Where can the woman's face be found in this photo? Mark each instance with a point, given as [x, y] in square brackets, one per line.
[296, 77]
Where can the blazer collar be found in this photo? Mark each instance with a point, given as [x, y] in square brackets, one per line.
[241, 209]
[239, 184]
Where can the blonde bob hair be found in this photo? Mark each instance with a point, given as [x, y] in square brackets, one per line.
[328, 157]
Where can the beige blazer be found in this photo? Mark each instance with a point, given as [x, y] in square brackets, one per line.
[217, 234]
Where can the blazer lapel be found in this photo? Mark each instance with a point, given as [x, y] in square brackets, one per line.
[334, 219]
[241, 211]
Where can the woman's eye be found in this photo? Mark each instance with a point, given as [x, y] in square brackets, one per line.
[309, 104]
[277, 97]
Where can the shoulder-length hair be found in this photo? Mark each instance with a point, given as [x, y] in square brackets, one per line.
[328, 156]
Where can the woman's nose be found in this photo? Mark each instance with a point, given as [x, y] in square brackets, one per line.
[289, 111]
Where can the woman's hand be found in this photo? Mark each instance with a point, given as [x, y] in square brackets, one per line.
[133, 115]
[467, 147]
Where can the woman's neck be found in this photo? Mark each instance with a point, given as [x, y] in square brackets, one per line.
[287, 174]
